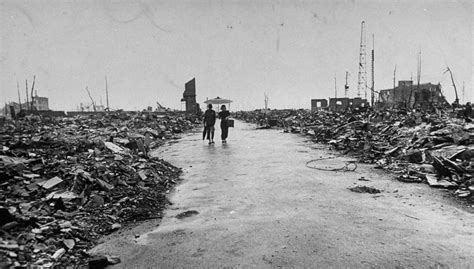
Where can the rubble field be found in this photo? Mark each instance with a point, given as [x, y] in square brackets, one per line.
[417, 147]
[65, 182]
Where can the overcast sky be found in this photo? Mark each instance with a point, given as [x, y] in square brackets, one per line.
[235, 49]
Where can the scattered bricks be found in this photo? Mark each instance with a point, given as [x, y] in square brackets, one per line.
[9, 246]
[96, 200]
[414, 156]
[439, 183]
[364, 189]
[69, 243]
[65, 181]
[114, 148]
[58, 254]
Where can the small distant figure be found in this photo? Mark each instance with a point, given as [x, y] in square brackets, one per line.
[224, 128]
[209, 120]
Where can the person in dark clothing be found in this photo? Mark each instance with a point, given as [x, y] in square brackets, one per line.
[224, 128]
[209, 121]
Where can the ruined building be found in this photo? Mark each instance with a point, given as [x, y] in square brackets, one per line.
[318, 104]
[189, 96]
[338, 104]
[406, 94]
[40, 103]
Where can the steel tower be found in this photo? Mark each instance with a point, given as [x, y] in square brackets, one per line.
[362, 81]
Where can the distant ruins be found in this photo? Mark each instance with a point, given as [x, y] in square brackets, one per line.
[406, 94]
[338, 104]
[189, 96]
[38, 104]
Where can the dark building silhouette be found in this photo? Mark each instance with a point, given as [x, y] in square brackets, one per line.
[318, 104]
[189, 96]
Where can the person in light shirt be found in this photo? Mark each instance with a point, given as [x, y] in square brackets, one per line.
[224, 128]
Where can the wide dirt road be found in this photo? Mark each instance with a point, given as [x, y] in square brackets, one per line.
[259, 206]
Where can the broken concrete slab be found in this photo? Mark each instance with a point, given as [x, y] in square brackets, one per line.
[64, 195]
[442, 183]
[51, 183]
[113, 147]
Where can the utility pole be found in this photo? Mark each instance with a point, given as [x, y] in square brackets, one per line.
[18, 90]
[418, 77]
[394, 76]
[32, 87]
[411, 89]
[362, 81]
[26, 89]
[346, 87]
[90, 96]
[454, 85]
[107, 93]
[335, 87]
[266, 101]
[463, 100]
[372, 95]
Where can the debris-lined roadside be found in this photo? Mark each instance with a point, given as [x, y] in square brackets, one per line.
[435, 148]
[64, 182]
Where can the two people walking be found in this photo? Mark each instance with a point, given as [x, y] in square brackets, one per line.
[210, 120]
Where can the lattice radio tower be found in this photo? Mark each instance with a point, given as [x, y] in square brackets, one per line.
[362, 82]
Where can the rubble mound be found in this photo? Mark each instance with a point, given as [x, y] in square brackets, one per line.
[65, 182]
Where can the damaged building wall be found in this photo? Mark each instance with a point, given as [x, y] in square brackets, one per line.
[40, 103]
[189, 96]
[341, 104]
[338, 104]
[318, 104]
[406, 94]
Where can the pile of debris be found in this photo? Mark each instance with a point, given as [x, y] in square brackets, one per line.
[65, 182]
[435, 148]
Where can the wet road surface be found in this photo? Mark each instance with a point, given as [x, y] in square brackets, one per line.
[258, 205]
